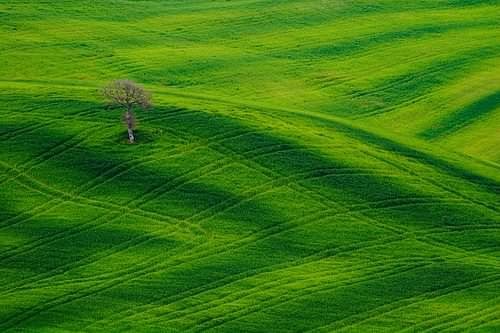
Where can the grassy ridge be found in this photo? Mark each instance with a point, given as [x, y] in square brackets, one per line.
[325, 57]
[282, 182]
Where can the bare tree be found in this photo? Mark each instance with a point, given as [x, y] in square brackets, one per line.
[128, 95]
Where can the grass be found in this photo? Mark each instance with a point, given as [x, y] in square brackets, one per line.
[308, 166]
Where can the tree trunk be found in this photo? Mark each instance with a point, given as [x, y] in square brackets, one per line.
[128, 119]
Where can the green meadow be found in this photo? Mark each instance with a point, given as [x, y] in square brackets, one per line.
[308, 166]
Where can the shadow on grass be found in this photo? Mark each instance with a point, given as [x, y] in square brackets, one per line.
[463, 117]
[223, 136]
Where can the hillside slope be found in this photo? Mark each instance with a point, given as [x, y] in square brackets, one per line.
[308, 166]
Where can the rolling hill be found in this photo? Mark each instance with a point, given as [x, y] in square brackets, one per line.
[308, 166]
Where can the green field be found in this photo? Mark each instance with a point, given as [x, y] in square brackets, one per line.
[308, 166]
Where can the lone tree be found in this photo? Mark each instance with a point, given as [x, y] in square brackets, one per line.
[127, 95]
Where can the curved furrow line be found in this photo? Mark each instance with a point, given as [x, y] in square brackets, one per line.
[122, 66]
[480, 259]
[220, 138]
[362, 209]
[252, 193]
[45, 281]
[126, 67]
[273, 285]
[272, 302]
[377, 312]
[38, 309]
[489, 309]
[35, 282]
[486, 312]
[273, 174]
[59, 149]
[52, 192]
[171, 230]
[127, 166]
[257, 166]
[250, 163]
[179, 181]
[409, 58]
[87, 226]
[44, 112]
[448, 202]
[488, 260]
[394, 106]
[138, 198]
[315, 218]
[57, 196]
[408, 201]
[150, 158]
[495, 322]
[459, 228]
[147, 268]
[179, 112]
[243, 197]
[43, 106]
[450, 318]
[280, 228]
[43, 241]
[35, 211]
[28, 130]
[196, 251]
[230, 135]
[53, 152]
[353, 77]
[287, 110]
[184, 178]
[491, 316]
[25, 129]
[489, 250]
[110, 207]
[290, 148]
[426, 238]
[40, 242]
[116, 171]
[86, 112]
[432, 182]
[443, 66]
[91, 119]
[429, 170]
[48, 192]
[233, 279]
[264, 151]
[81, 189]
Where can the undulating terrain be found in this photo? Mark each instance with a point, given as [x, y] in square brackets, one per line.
[308, 166]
